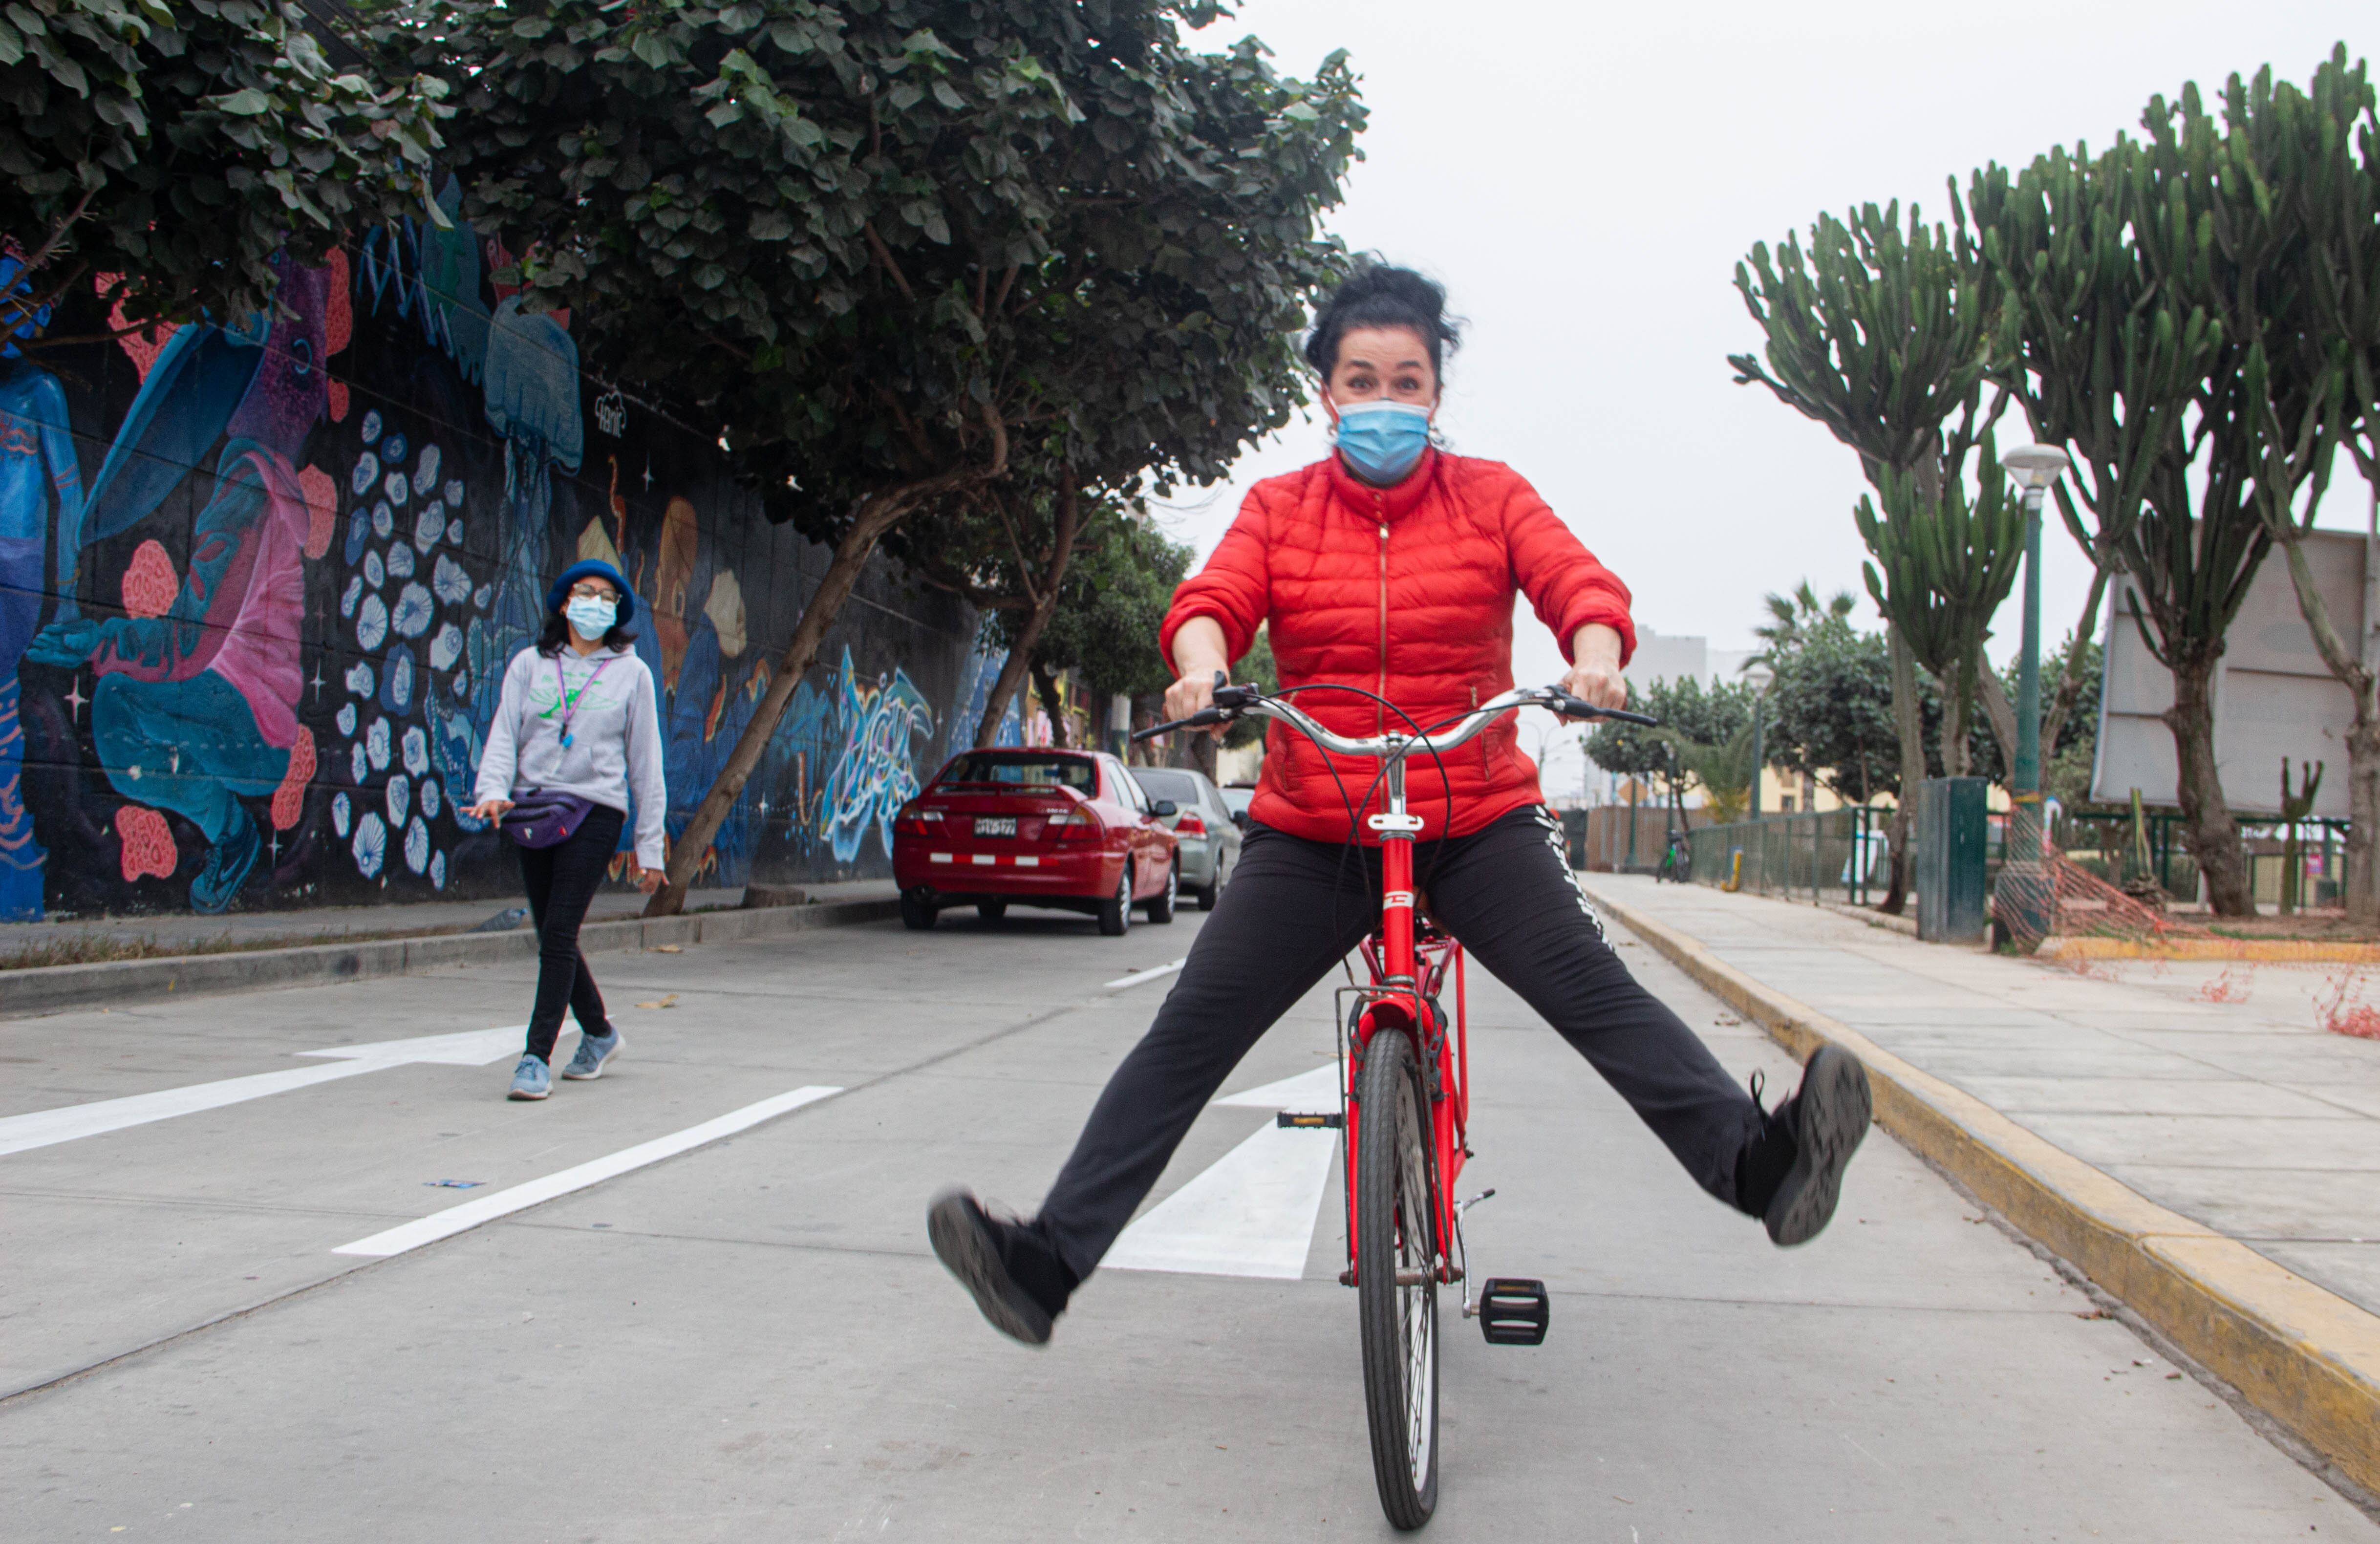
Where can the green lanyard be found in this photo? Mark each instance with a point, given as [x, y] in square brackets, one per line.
[568, 703]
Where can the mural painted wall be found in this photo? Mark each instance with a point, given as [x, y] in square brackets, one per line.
[259, 582]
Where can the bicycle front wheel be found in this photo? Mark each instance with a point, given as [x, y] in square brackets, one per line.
[1396, 1276]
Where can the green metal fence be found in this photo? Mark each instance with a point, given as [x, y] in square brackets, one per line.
[1832, 855]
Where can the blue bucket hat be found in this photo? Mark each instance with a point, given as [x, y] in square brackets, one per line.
[593, 568]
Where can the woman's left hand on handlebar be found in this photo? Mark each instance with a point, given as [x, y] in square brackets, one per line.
[1595, 678]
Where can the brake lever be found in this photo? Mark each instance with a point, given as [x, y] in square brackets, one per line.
[1229, 703]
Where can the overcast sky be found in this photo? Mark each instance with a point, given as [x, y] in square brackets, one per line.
[1583, 178]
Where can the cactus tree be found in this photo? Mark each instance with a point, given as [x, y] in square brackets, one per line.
[1881, 333]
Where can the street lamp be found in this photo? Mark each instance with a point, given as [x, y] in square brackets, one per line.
[1760, 675]
[2023, 898]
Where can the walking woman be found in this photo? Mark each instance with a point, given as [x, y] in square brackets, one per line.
[577, 732]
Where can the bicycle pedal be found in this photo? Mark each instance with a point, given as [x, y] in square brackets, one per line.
[1291, 1120]
[1512, 1311]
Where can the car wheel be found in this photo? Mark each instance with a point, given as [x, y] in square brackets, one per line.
[1213, 892]
[1161, 905]
[1115, 912]
[917, 911]
[991, 911]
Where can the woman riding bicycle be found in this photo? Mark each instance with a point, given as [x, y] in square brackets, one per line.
[1391, 566]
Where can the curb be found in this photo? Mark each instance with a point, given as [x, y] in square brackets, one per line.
[2279, 951]
[54, 988]
[2306, 1356]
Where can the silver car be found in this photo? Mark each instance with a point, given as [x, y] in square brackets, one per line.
[1206, 837]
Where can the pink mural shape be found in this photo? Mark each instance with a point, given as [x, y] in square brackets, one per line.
[148, 843]
[149, 582]
[142, 347]
[322, 496]
[289, 799]
[338, 328]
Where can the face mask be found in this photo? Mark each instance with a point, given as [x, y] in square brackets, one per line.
[1383, 440]
[590, 617]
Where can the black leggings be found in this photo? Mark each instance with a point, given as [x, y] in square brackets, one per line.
[1293, 910]
[560, 881]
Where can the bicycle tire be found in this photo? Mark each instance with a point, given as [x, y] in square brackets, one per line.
[1395, 1227]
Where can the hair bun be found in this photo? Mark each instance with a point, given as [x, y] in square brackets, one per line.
[1379, 294]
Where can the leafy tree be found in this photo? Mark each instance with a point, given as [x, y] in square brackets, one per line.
[176, 149]
[1699, 726]
[1793, 618]
[1005, 547]
[888, 247]
[1111, 607]
[1831, 710]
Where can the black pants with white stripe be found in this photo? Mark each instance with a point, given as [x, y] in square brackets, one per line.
[1293, 909]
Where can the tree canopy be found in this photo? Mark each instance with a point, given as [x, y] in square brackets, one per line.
[903, 250]
[180, 147]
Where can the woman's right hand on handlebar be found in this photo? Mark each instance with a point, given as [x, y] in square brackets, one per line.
[1200, 656]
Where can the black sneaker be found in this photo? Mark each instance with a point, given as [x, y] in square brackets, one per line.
[1813, 1133]
[1012, 1276]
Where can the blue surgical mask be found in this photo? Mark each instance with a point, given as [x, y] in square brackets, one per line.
[1383, 440]
[591, 618]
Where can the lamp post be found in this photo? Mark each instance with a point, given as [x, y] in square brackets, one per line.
[1760, 675]
[2023, 897]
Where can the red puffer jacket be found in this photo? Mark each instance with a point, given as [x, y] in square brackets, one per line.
[1406, 591]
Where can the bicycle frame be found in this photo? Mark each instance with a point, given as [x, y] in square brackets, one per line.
[1408, 959]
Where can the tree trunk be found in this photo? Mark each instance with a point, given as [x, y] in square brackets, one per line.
[1910, 721]
[2208, 830]
[2002, 713]
[1045, 687]
[2360, 894]
[2361, 890]
[2070, 683]
[1020, 653]
[1958, 691]
[879, 515]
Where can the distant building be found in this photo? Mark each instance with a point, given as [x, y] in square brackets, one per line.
[1674, 656]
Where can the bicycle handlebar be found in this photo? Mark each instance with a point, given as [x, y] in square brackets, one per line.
[1232, 702]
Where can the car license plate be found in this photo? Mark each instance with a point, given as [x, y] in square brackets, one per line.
[995, 825]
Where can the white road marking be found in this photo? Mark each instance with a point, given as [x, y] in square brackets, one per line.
[1252, 1213]
[41, 1128]
[1139, 976]
[487, 1209]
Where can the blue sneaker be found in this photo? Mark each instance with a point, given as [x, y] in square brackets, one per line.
[594, 1051]
[531, 1079]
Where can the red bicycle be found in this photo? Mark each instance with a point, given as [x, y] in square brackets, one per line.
[1405, 1092]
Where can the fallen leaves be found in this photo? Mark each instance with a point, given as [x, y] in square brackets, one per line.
[669, 1001]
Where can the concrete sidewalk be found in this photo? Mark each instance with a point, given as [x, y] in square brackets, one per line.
[2229, 1120]
[303, 948]
[324, 924]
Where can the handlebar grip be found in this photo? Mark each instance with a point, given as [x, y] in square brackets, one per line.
[1574, 707]
[1204, 718]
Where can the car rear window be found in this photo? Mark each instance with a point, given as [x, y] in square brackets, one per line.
[1016, 770]
[1179, 787]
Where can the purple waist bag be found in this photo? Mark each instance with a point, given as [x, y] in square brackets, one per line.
[541, 819]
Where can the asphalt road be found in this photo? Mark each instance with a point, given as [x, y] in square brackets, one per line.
[749, 1338]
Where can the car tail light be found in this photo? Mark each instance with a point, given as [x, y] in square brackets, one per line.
[915, 820]
[1189, 825]
[1073, 825]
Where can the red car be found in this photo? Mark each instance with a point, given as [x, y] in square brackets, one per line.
[1066, 829]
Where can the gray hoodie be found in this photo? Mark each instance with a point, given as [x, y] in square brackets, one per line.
[615, 736]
